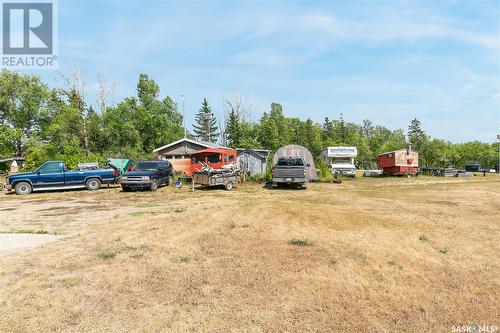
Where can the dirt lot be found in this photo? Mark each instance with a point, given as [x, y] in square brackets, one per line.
[368, 255]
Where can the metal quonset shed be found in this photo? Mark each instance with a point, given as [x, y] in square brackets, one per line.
[298, 151]
[399, 162]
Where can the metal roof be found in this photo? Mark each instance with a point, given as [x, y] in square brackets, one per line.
[212, 150]
[201, 143]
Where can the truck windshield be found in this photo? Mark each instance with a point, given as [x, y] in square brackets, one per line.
[343, 160]
[291, 161]
[146, 166]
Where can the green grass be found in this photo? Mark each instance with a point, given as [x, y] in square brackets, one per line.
[26, 231]
[136, 214]
[300, 242]
[184, 259]
[105, 255]
[443, 250]
[423, 238]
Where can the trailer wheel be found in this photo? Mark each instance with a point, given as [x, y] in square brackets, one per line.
[229, 186]
[93, 184]
[23, 188]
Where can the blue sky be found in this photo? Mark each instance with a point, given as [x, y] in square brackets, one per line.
[387, 61]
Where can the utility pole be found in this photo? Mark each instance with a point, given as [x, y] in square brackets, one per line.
[498, 166]
[208, 117]
[184, 116]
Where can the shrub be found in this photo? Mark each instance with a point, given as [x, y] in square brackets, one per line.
[443, 250]
[105, 255]
[300, 242]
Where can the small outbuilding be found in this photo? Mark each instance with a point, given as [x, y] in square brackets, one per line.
[298, 151]
[253, 162]
[399, 162]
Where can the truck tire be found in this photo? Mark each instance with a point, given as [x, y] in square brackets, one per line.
[229, 186]
[23, 188]
[93, 184]
[126, 189]
[154, 185]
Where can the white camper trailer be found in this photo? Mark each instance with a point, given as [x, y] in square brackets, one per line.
[340, 160]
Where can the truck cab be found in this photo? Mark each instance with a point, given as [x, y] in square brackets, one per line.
[340, 160]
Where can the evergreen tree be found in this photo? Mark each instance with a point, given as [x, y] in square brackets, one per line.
[342, 131]
[206, 128]
[233, 128]
[416, 136]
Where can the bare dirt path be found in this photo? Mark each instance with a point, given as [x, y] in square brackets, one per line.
[16, 242]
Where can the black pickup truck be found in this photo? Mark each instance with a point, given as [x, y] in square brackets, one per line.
[147, 175]
[290, 170]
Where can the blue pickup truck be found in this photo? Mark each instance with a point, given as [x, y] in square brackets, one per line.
[54, 176]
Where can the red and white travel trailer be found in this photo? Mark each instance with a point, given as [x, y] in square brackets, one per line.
[399, 162]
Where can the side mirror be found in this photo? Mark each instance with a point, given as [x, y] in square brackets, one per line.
[308, 165]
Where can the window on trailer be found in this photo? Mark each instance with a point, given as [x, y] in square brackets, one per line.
[213, 158]
[198, 159]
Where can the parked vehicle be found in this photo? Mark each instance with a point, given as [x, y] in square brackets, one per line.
[147, 175]
[340, 160]
[298, 151]
[473, 167]
[290, 170]
[53, 175]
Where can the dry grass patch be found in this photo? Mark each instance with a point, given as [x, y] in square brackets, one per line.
[239, 261]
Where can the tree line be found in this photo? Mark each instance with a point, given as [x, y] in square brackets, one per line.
[41, 123]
